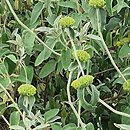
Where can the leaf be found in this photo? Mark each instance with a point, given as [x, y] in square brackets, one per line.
[36, 12]
[73, 66]
[124, 51]
[14, 118]
[48, 68]
[119, 79]
[70, 126]
[113, 22]
[68, 4]
[120, 4]
[90, 126]
[109, 6]
[4, 51]
[31, 102]
[95, 95]
[102, 18]
[16, 127]
[84, 103]
[122, 126]
[77, 17]
[51, 114]
[109, 39]
[28, 41]
[12, 58]
[5, 82]
[126, 119]
[95, 37]
[26, 72]
[2, 108]
[45, 54]
[66, 58]
[1, 9]
[51, 18]
[93, 18]
[56, 127]
[85, 6]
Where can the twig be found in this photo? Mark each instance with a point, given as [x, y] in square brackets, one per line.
[106, 48]
[104, 71]
[113, 110]
[70, 102]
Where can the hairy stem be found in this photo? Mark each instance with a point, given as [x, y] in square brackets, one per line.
[71, 104]
[113, 110]
[106, 48]
[6, 121]
[74, 49]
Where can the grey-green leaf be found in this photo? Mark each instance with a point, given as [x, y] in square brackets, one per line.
[124, 51]
[48, 68]
[28, 41]
[68, 4]
[36, 12]
[122, 126]
[14, 118]
[66, 58]
[51, 114]
[45, 54]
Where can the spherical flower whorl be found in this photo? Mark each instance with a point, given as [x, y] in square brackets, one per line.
[97, 3]
[125, 40]
[76, 84]
[117, 43]
[122, 42]
[86, 80]
[126, 85]
[66, 21]
[27, 90]
[83, 56]
[82, 82]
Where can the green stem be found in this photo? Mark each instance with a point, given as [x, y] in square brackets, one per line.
[106, 48]
[113, 110]
[71, 104]
[74, 49]
[25, 27]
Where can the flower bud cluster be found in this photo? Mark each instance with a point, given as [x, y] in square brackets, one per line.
[27, 90]
[83, 56]
[97, 3]
[122, 42]
[126, 85]
[66, 21]
[82, 82]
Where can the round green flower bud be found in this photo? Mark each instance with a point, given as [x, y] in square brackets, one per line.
[125, 40]
[27, 90]
[126, 85]
[76, 84]
[97, 3]
[82, 82]
[122, 42]
[86, 80]
[66, 21]
[83, 56]
[117, 43]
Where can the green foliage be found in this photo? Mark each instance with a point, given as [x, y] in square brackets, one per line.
[49, 44]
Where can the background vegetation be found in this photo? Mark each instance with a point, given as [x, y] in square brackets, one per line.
[36, 49]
